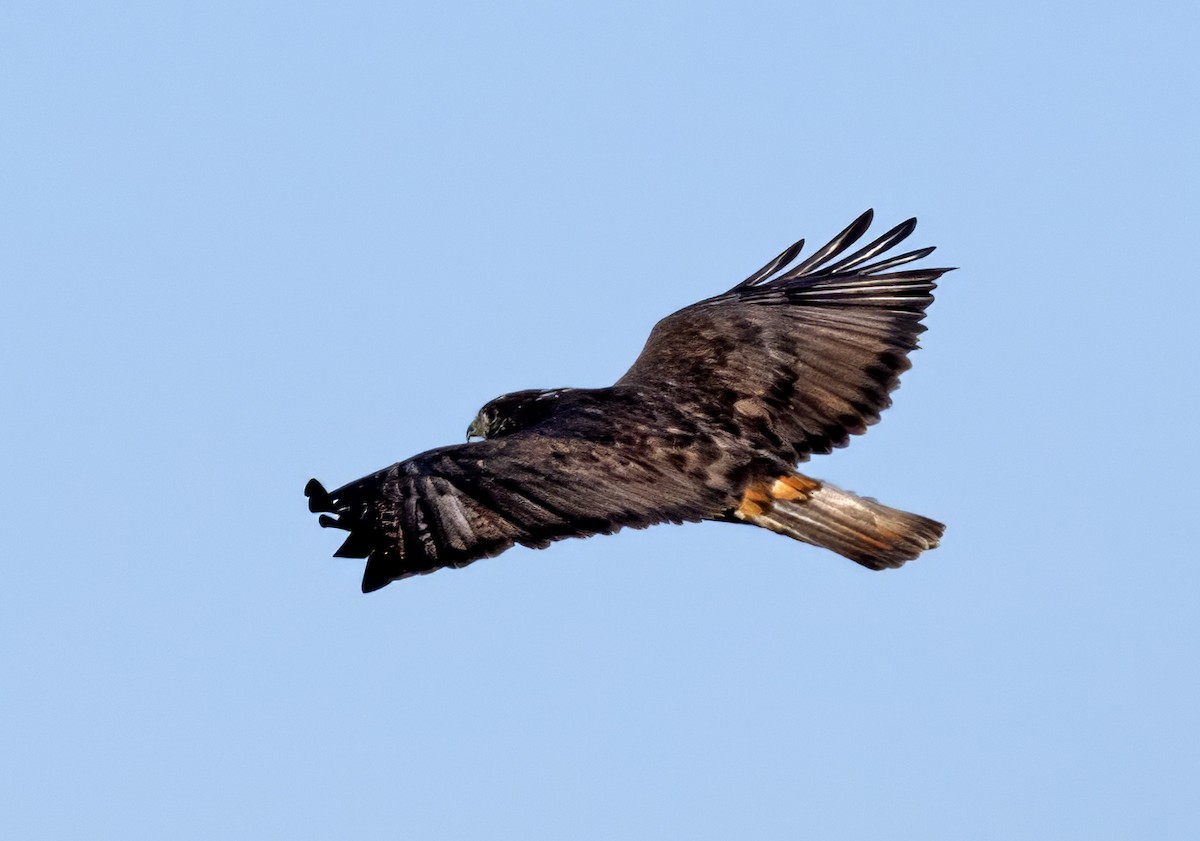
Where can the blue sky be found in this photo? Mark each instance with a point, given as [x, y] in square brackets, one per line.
[249, 243]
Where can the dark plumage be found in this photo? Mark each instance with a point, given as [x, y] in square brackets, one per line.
[728, 395]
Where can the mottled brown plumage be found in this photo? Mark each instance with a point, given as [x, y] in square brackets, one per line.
[726, 398]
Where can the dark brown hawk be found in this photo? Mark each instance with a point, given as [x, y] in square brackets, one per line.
[727, 397]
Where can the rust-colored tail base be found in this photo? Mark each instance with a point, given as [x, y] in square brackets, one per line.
[863, 530]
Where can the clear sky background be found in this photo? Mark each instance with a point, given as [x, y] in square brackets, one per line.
[243, 244]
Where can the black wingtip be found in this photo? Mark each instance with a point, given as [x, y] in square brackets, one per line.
[327, 522]
[318, 497]
[357, 545]
[875, 248]
[858, 227]
[782, 261]
[844, 239]
[374, 578]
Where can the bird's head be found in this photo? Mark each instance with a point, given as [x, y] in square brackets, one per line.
[511, 413]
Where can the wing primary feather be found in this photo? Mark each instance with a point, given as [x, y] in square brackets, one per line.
[327, 522]
[895, 235]
[358, 545]
[850, 235]
[785, 257]
[381, 569]
[318, 497]
[899, 260]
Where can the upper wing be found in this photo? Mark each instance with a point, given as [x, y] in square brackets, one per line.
[805, 356]
[453, 505]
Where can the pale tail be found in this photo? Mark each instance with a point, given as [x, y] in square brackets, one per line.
[863, 530]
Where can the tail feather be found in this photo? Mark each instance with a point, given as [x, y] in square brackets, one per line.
[863, 530]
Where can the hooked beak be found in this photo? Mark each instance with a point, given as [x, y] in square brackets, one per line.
[475, 430]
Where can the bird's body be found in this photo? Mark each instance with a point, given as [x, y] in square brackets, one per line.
[726, 398]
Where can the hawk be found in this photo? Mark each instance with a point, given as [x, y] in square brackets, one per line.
[727, 397]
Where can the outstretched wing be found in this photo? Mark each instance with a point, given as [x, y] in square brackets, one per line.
[804, 356]
[454, 505]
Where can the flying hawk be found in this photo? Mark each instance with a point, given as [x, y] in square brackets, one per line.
[727, 396]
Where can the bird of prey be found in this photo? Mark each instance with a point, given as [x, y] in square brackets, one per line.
[727, 397]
